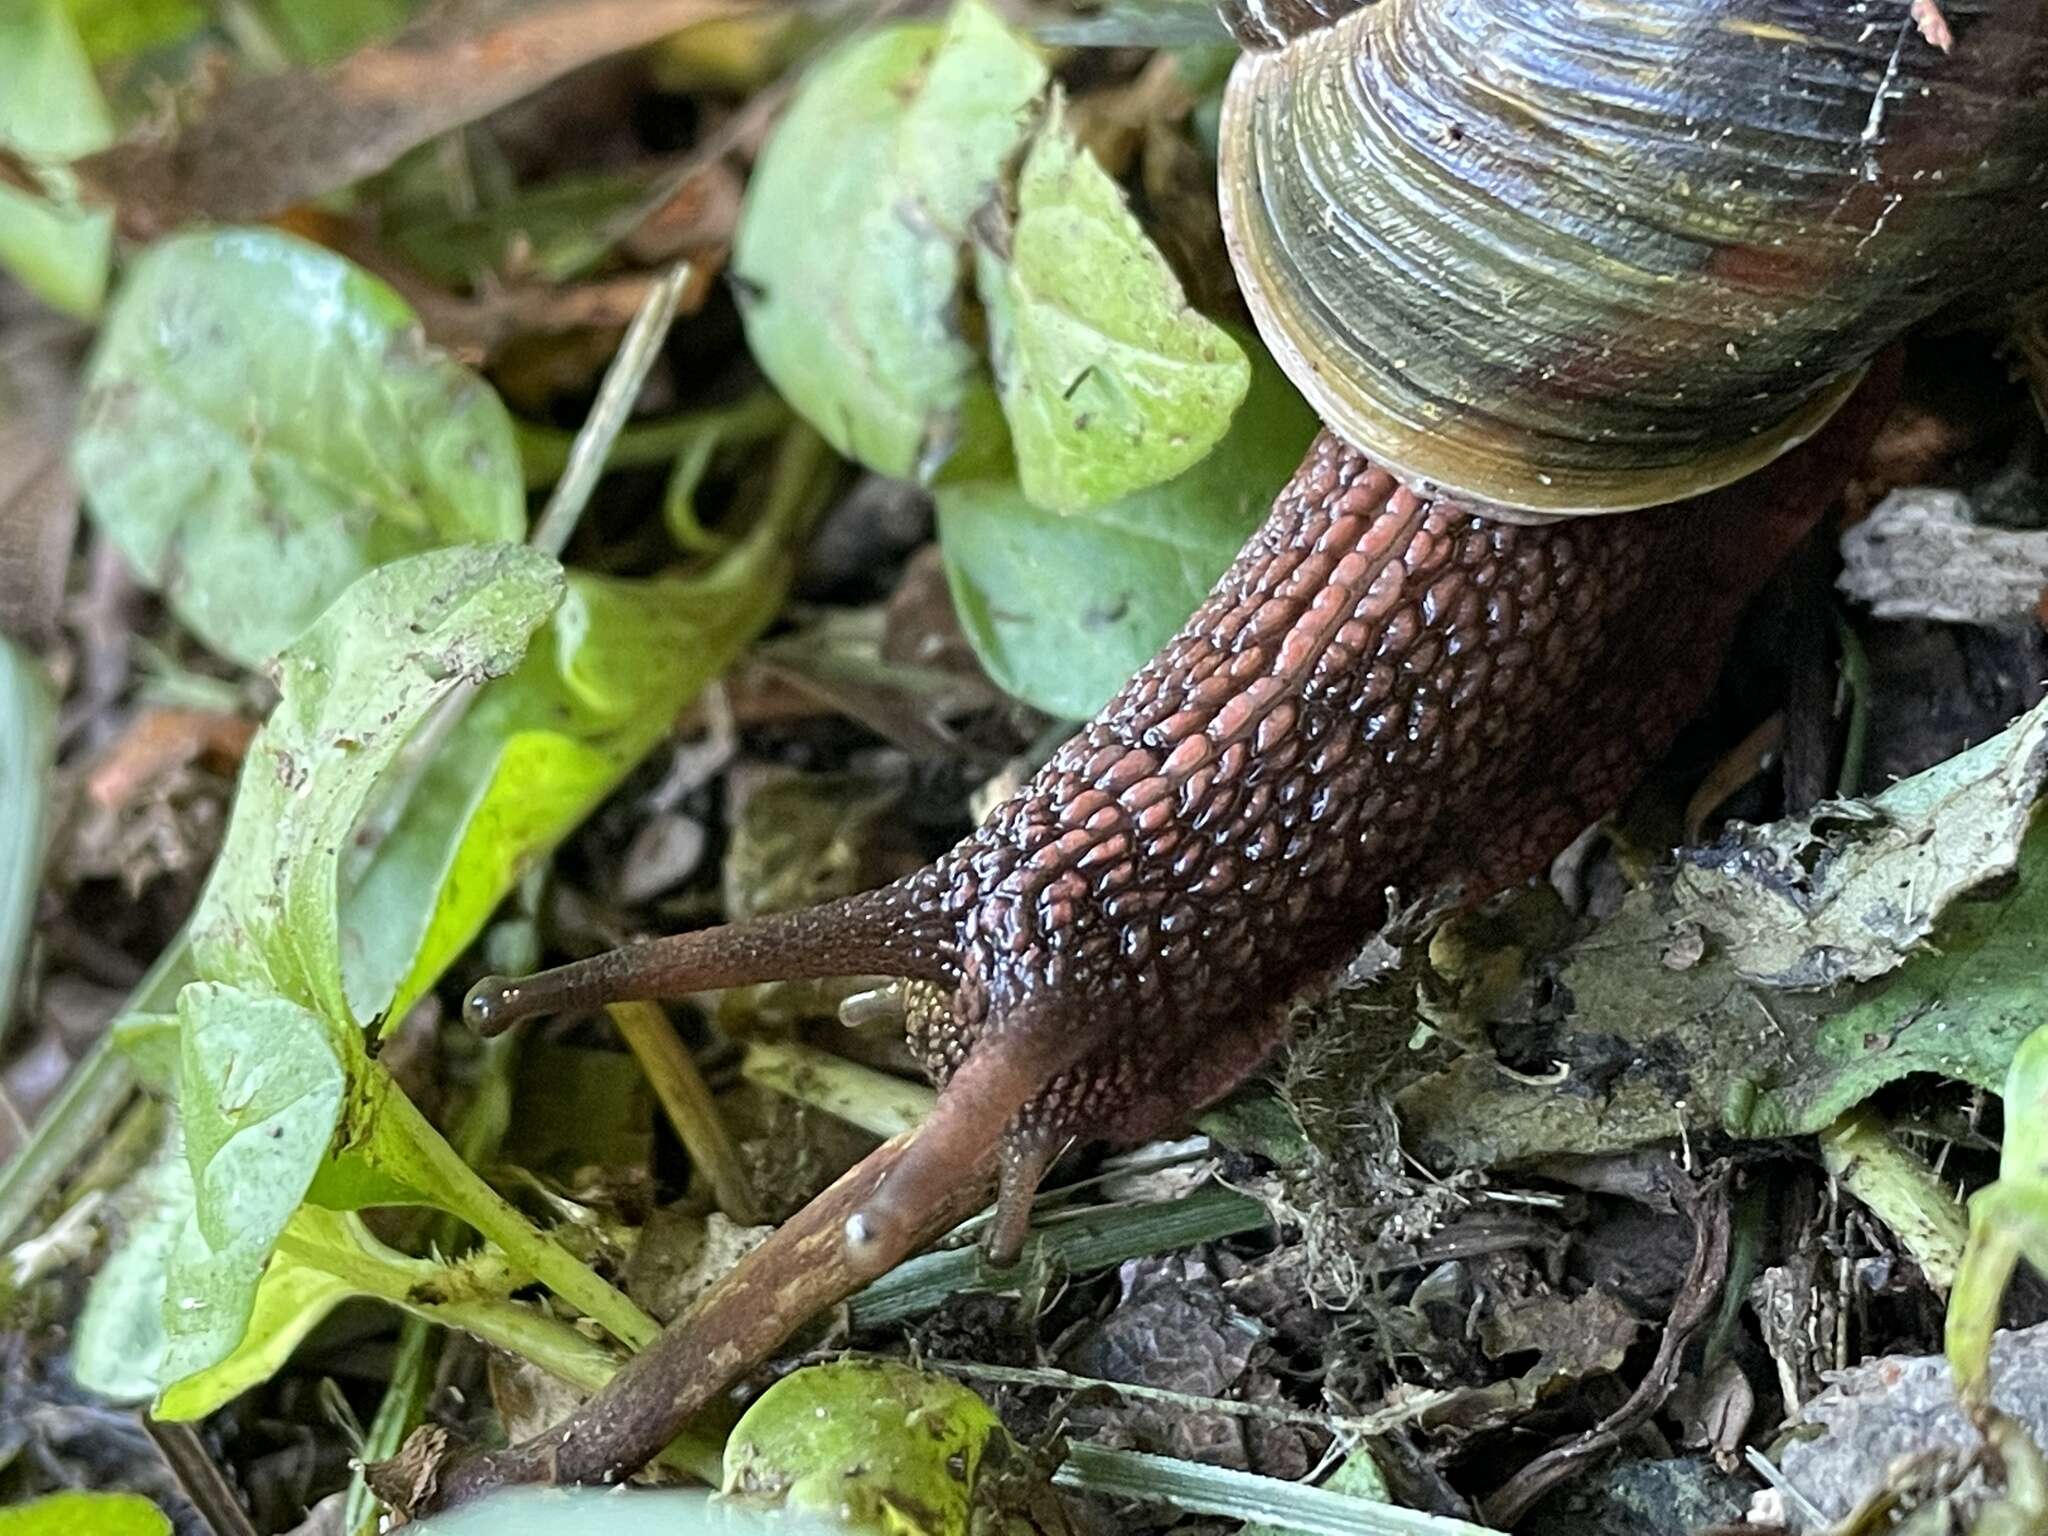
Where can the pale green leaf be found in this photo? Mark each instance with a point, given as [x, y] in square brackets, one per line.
[85, 1514]
[264, 422]
[1109, 380]
[892, 145]
[51, 111]
[870, 1443]
[260, 1094]
[403, 639]
[118, 1350]
[1061, 610]
[603, 685]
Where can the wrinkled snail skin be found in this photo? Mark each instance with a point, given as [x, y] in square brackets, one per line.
[1398, 690]
[1385, 693]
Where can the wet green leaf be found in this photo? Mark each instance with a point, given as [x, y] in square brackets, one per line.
[881, 1447]
[85, 1514]
[118, 1350]
[1109, 381]
[604, 683]
[260, 1091]
[403, 639]
[27, 743]
[1062, 610]
[51, 111]
[892, 145]
[1679, 1038]
[264, 422]
[120, 29]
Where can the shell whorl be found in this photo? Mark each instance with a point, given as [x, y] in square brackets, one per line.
[1572, 258]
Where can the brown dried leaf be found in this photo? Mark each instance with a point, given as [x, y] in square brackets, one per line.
[263, 144]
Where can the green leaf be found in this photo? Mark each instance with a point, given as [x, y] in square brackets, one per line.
[51, 111]
[1109, 381]
[880, 1447]
[601, 687]
[85, 1514]
[291, 1300]
[892, 145]
[118, 1350]
[121, 29]
[1062, 610]
[260, 1091]
[320, 31]
[50, 104]
[264, 422]
[28, 721]
[398, 643]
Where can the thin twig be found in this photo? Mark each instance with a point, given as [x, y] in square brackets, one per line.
[200, 1478]
[686, 1100]
[615, 398]
[1362, 1425]
[1707, 1206]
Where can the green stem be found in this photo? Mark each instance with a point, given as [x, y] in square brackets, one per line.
[28, 739]
[544, 451]
[98, 1087]
[1901, 1190]
[403, 1405]
[461, 1191]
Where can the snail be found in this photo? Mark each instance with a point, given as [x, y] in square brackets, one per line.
[1533, 261]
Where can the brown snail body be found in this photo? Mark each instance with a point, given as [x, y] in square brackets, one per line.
[1395, 689]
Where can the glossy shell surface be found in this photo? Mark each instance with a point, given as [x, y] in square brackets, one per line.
[1573, 257]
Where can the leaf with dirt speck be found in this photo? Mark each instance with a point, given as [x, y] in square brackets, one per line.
[260, 1089]
[398, 643]
[1846, 893]
[1109, 380]
[891, 147]
[1061, 610]
[262, 425]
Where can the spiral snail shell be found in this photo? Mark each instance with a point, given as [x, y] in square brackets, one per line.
[1582, 257]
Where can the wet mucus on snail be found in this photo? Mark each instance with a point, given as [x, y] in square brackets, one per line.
[1532, 260]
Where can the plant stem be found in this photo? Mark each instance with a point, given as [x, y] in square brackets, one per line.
[686, 1100]
[463, 1192]
[615, 396]
[544, 451]
[28, 739]
[98, 1086]
[859, 1095]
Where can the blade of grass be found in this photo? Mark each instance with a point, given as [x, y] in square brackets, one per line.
[99, 1085]
[27, 743]
[1229, 1495]
[1094, 1240]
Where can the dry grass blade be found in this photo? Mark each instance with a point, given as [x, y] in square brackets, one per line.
[264, 144]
